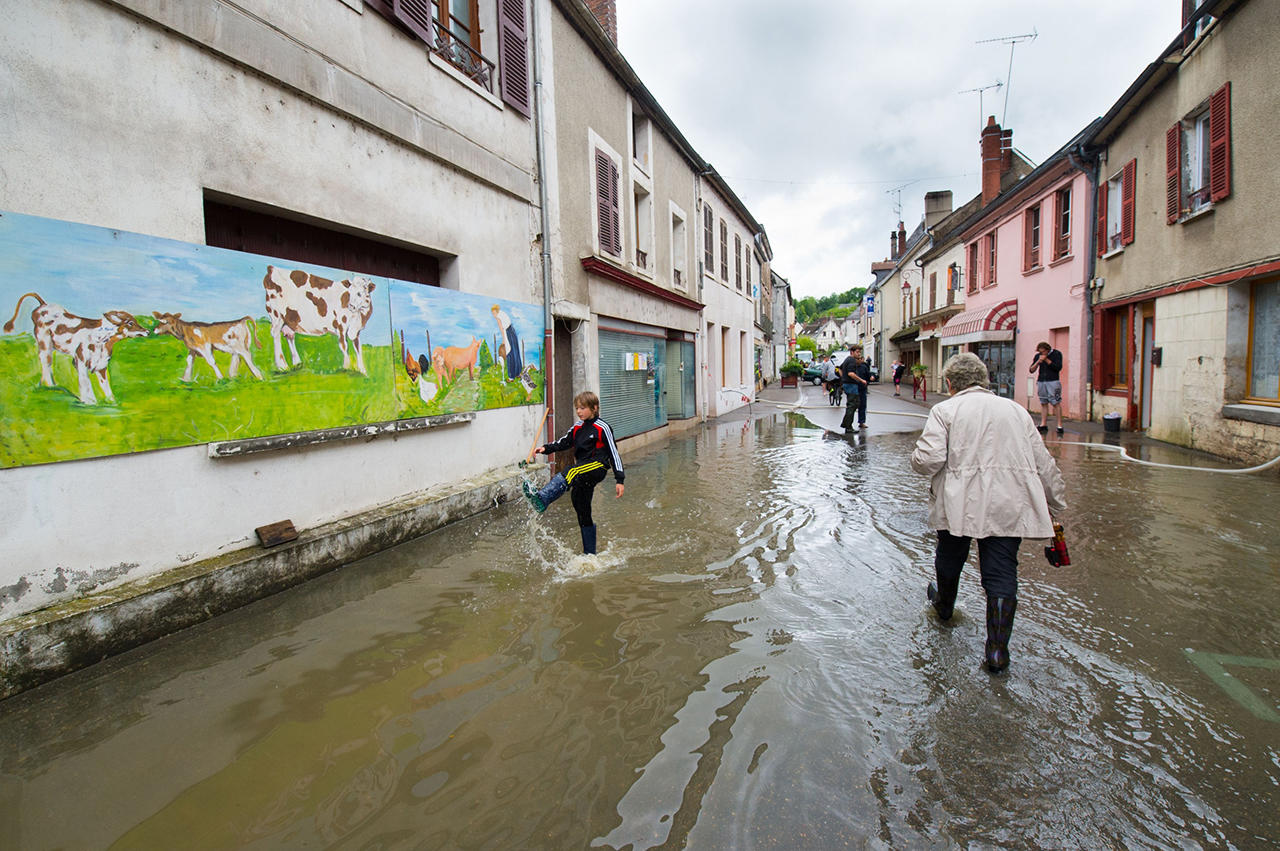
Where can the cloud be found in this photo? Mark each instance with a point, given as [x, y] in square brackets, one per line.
[816, 110]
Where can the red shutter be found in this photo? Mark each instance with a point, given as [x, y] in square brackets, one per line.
[1128, 192]
[416, 15]
[513, 55]
[1101, 235]
[1173, 173]
[607, 204]
[1220, 144]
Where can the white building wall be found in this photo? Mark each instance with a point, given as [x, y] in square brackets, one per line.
[116, 120]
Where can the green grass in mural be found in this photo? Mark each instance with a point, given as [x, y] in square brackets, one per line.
[155, 409]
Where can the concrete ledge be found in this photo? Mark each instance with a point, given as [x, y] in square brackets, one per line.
[43, 645]
[1263, 414]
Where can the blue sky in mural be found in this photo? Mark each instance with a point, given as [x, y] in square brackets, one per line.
[453, 318]
[89, 270]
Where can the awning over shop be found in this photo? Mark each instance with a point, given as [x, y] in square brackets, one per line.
[981, 324]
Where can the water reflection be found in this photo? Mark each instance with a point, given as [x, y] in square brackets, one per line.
[747, 663]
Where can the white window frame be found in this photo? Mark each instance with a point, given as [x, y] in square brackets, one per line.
[679, 246]
[1195, 161]
[1115, 214]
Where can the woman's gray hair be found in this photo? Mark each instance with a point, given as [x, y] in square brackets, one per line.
[965, 370]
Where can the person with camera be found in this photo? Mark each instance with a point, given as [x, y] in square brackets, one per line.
[993, 481]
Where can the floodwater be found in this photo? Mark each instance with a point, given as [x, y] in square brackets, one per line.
[749, 663]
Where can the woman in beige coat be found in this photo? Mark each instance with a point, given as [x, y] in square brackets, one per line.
[993, 480]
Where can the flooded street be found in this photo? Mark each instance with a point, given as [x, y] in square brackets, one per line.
[749, 663]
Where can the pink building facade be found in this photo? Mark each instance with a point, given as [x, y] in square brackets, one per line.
[1026, 273]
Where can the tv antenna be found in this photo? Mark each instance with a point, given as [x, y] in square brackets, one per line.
[896, 192]
[1012, 41]
[980, 89]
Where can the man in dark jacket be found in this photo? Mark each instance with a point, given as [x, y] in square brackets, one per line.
[856, 375]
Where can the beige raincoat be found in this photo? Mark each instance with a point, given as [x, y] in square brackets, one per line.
[991, 474]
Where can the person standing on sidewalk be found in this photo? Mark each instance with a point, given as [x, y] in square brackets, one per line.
[1048, 384]
[992, 479]
[856, 375]
[898, 368]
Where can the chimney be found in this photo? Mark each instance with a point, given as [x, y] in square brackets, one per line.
[937, 206]
[606, 13]
[893, 245]
[902, 239]
[997, 158]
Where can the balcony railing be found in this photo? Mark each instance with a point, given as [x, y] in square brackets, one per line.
[642, 259]
[678, 277]
[460, 55]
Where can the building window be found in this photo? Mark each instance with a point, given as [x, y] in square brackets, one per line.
[1264, 343]
[1114, 373]
[990, 253]
[679, 250]
[608, 213]
[933, 290]
[709, 240]
[1031, 239]
[1115, 209]
[973, 267]
[1062, 223]
[1198, 158]
[724, 252]
[641, 135]
[737, 262]
[643, 230]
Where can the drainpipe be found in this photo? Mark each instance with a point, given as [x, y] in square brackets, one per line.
[1091, 175]
[548, 334]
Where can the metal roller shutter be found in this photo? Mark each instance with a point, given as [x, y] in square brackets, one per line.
[629, 402]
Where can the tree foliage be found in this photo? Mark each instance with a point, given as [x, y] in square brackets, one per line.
[810, 308]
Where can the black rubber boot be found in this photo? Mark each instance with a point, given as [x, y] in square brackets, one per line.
[588, 539]
[943, 597]
[999, 627]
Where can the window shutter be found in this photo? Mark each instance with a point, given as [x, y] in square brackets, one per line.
[1128, 192]
[1173, 173]
[709, 240]
[416, 15]
[1028, 262]
[1101, 234]
[607, 203]
[1220, 144]
[513, 54]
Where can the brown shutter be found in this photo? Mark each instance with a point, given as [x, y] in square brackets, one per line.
[1101, 233]
[416, 15]
[1128, 194]
[607, 203]
[1220, 144]
[513, 54]
[1173, 173]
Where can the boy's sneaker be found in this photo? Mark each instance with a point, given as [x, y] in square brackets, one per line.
[1059, 431]
[534, 500]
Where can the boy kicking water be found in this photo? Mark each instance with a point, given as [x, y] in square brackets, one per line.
[594, 453]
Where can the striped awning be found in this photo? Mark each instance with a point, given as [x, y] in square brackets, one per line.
[981, 324]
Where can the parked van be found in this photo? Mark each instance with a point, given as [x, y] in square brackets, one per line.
[804, 356]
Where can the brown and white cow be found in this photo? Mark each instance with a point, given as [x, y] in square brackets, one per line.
[235, 337]
[88, 341]
[301, 303]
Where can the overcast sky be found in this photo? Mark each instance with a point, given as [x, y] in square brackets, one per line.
[815, 110]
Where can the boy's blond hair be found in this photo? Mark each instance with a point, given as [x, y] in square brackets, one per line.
[587, 399]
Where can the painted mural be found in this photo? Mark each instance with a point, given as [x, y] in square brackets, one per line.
[119, 342]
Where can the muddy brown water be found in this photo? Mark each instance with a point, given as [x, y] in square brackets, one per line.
[749, 663]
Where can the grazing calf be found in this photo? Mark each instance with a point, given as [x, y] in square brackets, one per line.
[235, 337]
[88, 341]
[299, 302]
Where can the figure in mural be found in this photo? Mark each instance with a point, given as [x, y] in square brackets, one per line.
[235, 337]
[594, 452]
[509, 348]
[446, 361]
[88, 342]
[299, 302]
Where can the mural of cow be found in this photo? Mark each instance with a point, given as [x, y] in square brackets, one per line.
[88, 342]
[301, 303]
[235, 337]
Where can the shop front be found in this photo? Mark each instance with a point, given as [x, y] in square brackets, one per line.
[988, 332]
